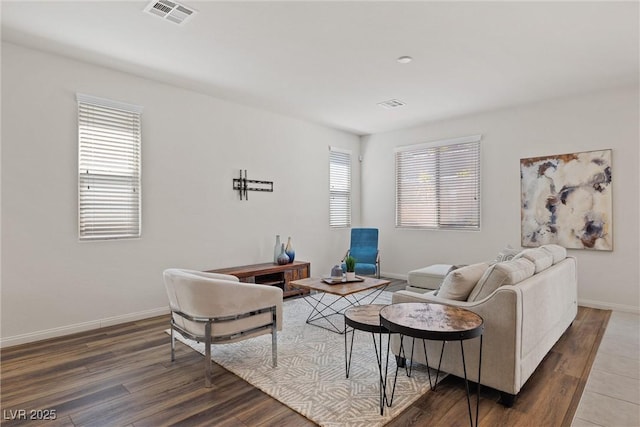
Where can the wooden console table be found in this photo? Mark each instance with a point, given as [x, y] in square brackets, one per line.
[271, 274]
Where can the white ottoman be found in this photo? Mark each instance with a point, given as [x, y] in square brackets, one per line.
[428, 278]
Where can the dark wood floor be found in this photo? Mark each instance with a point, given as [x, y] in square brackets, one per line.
[122, 376]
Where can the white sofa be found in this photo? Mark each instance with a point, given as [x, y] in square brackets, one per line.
[524, 317]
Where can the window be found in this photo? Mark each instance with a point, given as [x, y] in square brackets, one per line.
[109, 140]
[438, 184]
[339, 187]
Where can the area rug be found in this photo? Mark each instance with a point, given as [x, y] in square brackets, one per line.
[310, 377]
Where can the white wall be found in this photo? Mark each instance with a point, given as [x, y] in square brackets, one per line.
[590, 122]
[193, 146]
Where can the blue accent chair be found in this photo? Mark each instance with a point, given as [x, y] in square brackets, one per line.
[364, 248]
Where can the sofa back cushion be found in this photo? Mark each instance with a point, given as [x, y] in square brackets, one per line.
[500, 274]
[541, 258]
[557, 252]
[460, 282]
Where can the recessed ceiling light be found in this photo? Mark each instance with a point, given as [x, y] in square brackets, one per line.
[404, 59]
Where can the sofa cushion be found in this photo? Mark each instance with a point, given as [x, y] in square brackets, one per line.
[430, 277]
[460, 282]
[506, 254]
[541, 258]
[557, 252]
[502, 273]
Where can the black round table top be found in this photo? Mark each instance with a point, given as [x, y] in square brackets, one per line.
[431, 321]
[365, 317]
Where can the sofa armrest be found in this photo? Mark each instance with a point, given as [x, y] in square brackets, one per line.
[209, 275]
[249, 296]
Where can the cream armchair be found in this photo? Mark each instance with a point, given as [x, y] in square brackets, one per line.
[218, 308]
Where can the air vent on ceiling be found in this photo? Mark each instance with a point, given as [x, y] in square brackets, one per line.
[392, 103]
[171, 11]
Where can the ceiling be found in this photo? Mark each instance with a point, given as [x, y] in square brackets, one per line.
[332, 62]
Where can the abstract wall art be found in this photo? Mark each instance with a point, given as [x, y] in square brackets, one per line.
[566, 200]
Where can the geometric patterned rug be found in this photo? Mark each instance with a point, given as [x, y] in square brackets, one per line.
[310, 377]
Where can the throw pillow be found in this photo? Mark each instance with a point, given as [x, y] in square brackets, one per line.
[557, 252]
[541, 258]
[460, 282]
[500, 274]
[506, 254]
[453, 267]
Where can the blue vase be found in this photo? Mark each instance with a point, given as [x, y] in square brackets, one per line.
[282, 258]
[289, 250]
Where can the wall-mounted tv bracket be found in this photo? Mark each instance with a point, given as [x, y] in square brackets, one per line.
[242, 185]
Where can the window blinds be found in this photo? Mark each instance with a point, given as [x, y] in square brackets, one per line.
[438, 184]
[339, 187]
[109, 140]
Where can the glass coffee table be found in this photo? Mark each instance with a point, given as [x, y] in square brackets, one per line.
[324, 305]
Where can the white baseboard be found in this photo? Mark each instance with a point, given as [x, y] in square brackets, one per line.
[81, 327]
[609, 306]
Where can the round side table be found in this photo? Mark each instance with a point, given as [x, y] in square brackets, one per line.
[366, 318]
[438, 322]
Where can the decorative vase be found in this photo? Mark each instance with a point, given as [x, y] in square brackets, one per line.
[276, 249]
[282, 258]
[351, 275]
[336, 272]
[289, 250]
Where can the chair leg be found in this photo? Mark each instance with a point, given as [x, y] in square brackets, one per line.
[274, 338]
[274, 349]
[207, 355]
[173, 344]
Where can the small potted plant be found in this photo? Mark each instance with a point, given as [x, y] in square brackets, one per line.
[350, 263]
